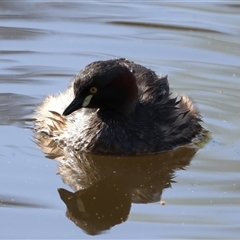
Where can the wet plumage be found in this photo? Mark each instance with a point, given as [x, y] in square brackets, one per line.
[118, 107]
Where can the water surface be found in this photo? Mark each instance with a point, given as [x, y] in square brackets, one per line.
[43, 44]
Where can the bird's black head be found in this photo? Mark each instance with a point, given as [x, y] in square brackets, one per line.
[107, 85]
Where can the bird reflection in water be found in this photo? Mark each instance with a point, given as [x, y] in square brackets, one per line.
[104, 187]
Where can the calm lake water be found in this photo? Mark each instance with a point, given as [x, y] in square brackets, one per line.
[44, 44]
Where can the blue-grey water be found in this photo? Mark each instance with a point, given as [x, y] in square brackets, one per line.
[43, 44]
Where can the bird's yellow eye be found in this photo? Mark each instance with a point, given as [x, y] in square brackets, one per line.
[93, 90]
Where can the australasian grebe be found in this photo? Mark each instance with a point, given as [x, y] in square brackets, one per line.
[118, 107]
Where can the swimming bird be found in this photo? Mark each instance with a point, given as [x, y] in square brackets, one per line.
[118, 107]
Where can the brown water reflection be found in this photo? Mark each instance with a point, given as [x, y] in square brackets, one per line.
[106, 186]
